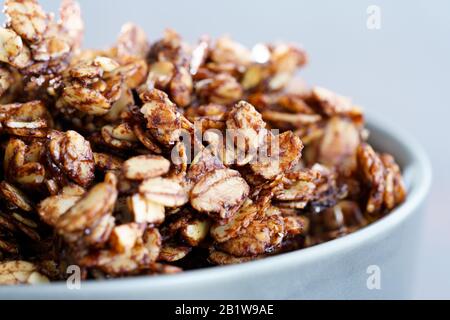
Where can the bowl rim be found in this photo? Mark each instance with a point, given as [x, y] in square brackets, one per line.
[419, 189]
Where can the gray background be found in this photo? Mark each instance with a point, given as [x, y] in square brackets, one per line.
[400, 72]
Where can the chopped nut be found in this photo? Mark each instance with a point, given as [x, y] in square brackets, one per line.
[195, 231]
[124, 237]
[145, 210]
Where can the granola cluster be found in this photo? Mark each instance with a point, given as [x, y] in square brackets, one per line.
[114, 161]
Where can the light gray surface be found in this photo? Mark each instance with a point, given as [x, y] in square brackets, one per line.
[400, 72]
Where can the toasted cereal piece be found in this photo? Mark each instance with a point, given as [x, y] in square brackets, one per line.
[237, 224]
[195, 231]
[96, 204]
[171, 253]
[132, 41]
[145, 210]
[260, 237]
[27, 18]
[372, 170]
[15, 196]
[73, 155]
[20, 272]
[145, 167]
[52, 208]
[221, 88]
[219, 193]
[124, 237]
[153, 243]
[164, 191]
[222, 258]
[283, 153]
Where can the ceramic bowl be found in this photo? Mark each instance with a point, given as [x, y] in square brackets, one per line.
[377, 261]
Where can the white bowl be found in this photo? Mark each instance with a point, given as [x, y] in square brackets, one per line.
[377, 261]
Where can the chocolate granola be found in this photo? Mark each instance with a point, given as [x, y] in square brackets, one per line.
[157, 157]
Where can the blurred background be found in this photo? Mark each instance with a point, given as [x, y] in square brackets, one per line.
[400, 72]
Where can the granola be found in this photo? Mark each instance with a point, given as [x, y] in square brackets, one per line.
[156, 157]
